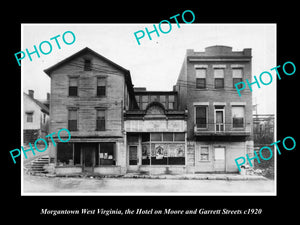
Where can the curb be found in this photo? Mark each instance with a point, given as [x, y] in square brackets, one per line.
[166, 177]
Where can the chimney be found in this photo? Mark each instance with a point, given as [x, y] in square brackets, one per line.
[48, 96]
[31, 93]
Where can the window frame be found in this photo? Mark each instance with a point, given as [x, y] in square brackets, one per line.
[244, 124]
[71, 89]
[98, 87]
[219, 78]
[98, 120]
[200, 78]
[87, 66]
[206, 115]
[200, 153]
[69, 124]
[29, 115]
[114, 159]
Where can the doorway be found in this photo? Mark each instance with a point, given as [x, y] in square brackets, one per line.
[133, 164]
[220, 159]
[219, 119]
[89, 157]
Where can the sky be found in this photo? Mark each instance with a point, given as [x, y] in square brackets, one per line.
[154, 64]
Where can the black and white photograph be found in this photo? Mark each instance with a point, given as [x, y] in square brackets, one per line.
[131, 109]
[136, 113]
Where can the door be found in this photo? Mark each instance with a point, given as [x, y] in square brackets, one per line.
[219, 161]
[133, 158]
[219, 118]
[89, 157]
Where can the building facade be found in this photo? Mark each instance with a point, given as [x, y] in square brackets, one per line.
[156, 133]
[219, 120]
[35, 118]
[202, 125]
[89, 94]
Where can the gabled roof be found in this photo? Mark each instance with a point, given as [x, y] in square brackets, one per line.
[44, 108]
[81, 52]
[85, 50]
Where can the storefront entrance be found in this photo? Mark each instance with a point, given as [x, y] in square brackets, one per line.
[133, 164]
[89, 159]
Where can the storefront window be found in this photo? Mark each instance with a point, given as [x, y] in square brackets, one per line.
[107, 154]
[64, 154]
[145, 154]
[167, 136]
[156, 136]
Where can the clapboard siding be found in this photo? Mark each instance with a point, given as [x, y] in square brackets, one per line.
[87, 101]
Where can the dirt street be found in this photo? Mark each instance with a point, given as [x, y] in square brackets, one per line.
[37, 184]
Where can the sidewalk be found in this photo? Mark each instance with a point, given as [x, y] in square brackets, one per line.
[203, 176]
[196, 176]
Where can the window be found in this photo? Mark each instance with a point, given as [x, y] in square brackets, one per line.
[156, 136]
[107, 153]
[179, 137]
[163, 149]
[29, 117]
[64, 154]
[44, 118]
[87, 65]
[204, 153]
[73, 86]
[145, 101]
[237, 76]
[100, 121]
[201, 116]
[137, 98]
[219, 118]
[237, 116]
[167, 136]
[219, 78]
[154, 98]
[101, 86]
[171, 102]
[133, 138]
[200, 78]
[163, 100]
[72, 120]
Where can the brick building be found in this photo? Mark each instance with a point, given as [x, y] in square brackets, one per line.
[219, 121]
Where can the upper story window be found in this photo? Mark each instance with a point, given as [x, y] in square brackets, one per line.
[29, 117]
[101, 86]
[73, 86]
[87, 65]
[72, 119]
[238, 115]
[44, 118]
[100, 123]
[145, 101]
[201, 116]
[237, 75]
[219, 78]
[171, 102]
[200, 78]
[163, 100]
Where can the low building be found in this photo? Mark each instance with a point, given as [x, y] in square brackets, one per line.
[156, 133]
[35, 118]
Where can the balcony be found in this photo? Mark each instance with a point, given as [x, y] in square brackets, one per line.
[222, 129]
